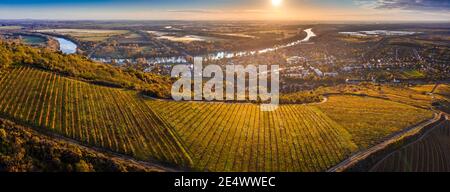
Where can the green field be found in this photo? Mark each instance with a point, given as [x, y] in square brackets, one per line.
[201, 136]
[33, 40]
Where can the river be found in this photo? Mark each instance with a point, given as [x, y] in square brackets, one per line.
[223, 54]
[66, 46]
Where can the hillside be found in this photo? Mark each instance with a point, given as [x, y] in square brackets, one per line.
[77, 66]
[399, 94]
[368, 119]
[428, 154]
[204, 136]
[104, 107]
[239, 137]
[100, 116]
[24, 150]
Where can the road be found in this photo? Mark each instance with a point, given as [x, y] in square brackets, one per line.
[359, 156]
[412, 143]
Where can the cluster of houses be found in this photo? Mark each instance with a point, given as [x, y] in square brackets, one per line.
[296, 69]
[148, 61]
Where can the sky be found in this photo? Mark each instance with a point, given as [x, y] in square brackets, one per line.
[295, 10]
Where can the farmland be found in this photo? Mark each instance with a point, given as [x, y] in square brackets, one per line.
[201, 136]
[94, 35]
[428, 154]
[399, 94]
[369, 118]
[293, 138]
[239, 137]
[94, 115]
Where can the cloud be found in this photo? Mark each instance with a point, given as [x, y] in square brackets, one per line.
[422, 5]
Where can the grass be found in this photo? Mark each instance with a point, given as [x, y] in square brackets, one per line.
[33, 40]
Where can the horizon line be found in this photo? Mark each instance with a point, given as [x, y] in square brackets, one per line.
[234, 20]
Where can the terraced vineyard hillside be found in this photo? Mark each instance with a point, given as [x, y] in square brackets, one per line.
[94, 115]
[429, 154]
[202, 136]
[239, 137]
[369, 119]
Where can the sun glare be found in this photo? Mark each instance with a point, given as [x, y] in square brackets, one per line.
[276, 3]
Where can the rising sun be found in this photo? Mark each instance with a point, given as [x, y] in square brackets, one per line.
[276, 3]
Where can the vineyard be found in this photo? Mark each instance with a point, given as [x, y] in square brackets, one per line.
[94, 115]
[239, 137]
[369, 119]
[399, 94]
[25, 150]
[197, 135]
[429, 154]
